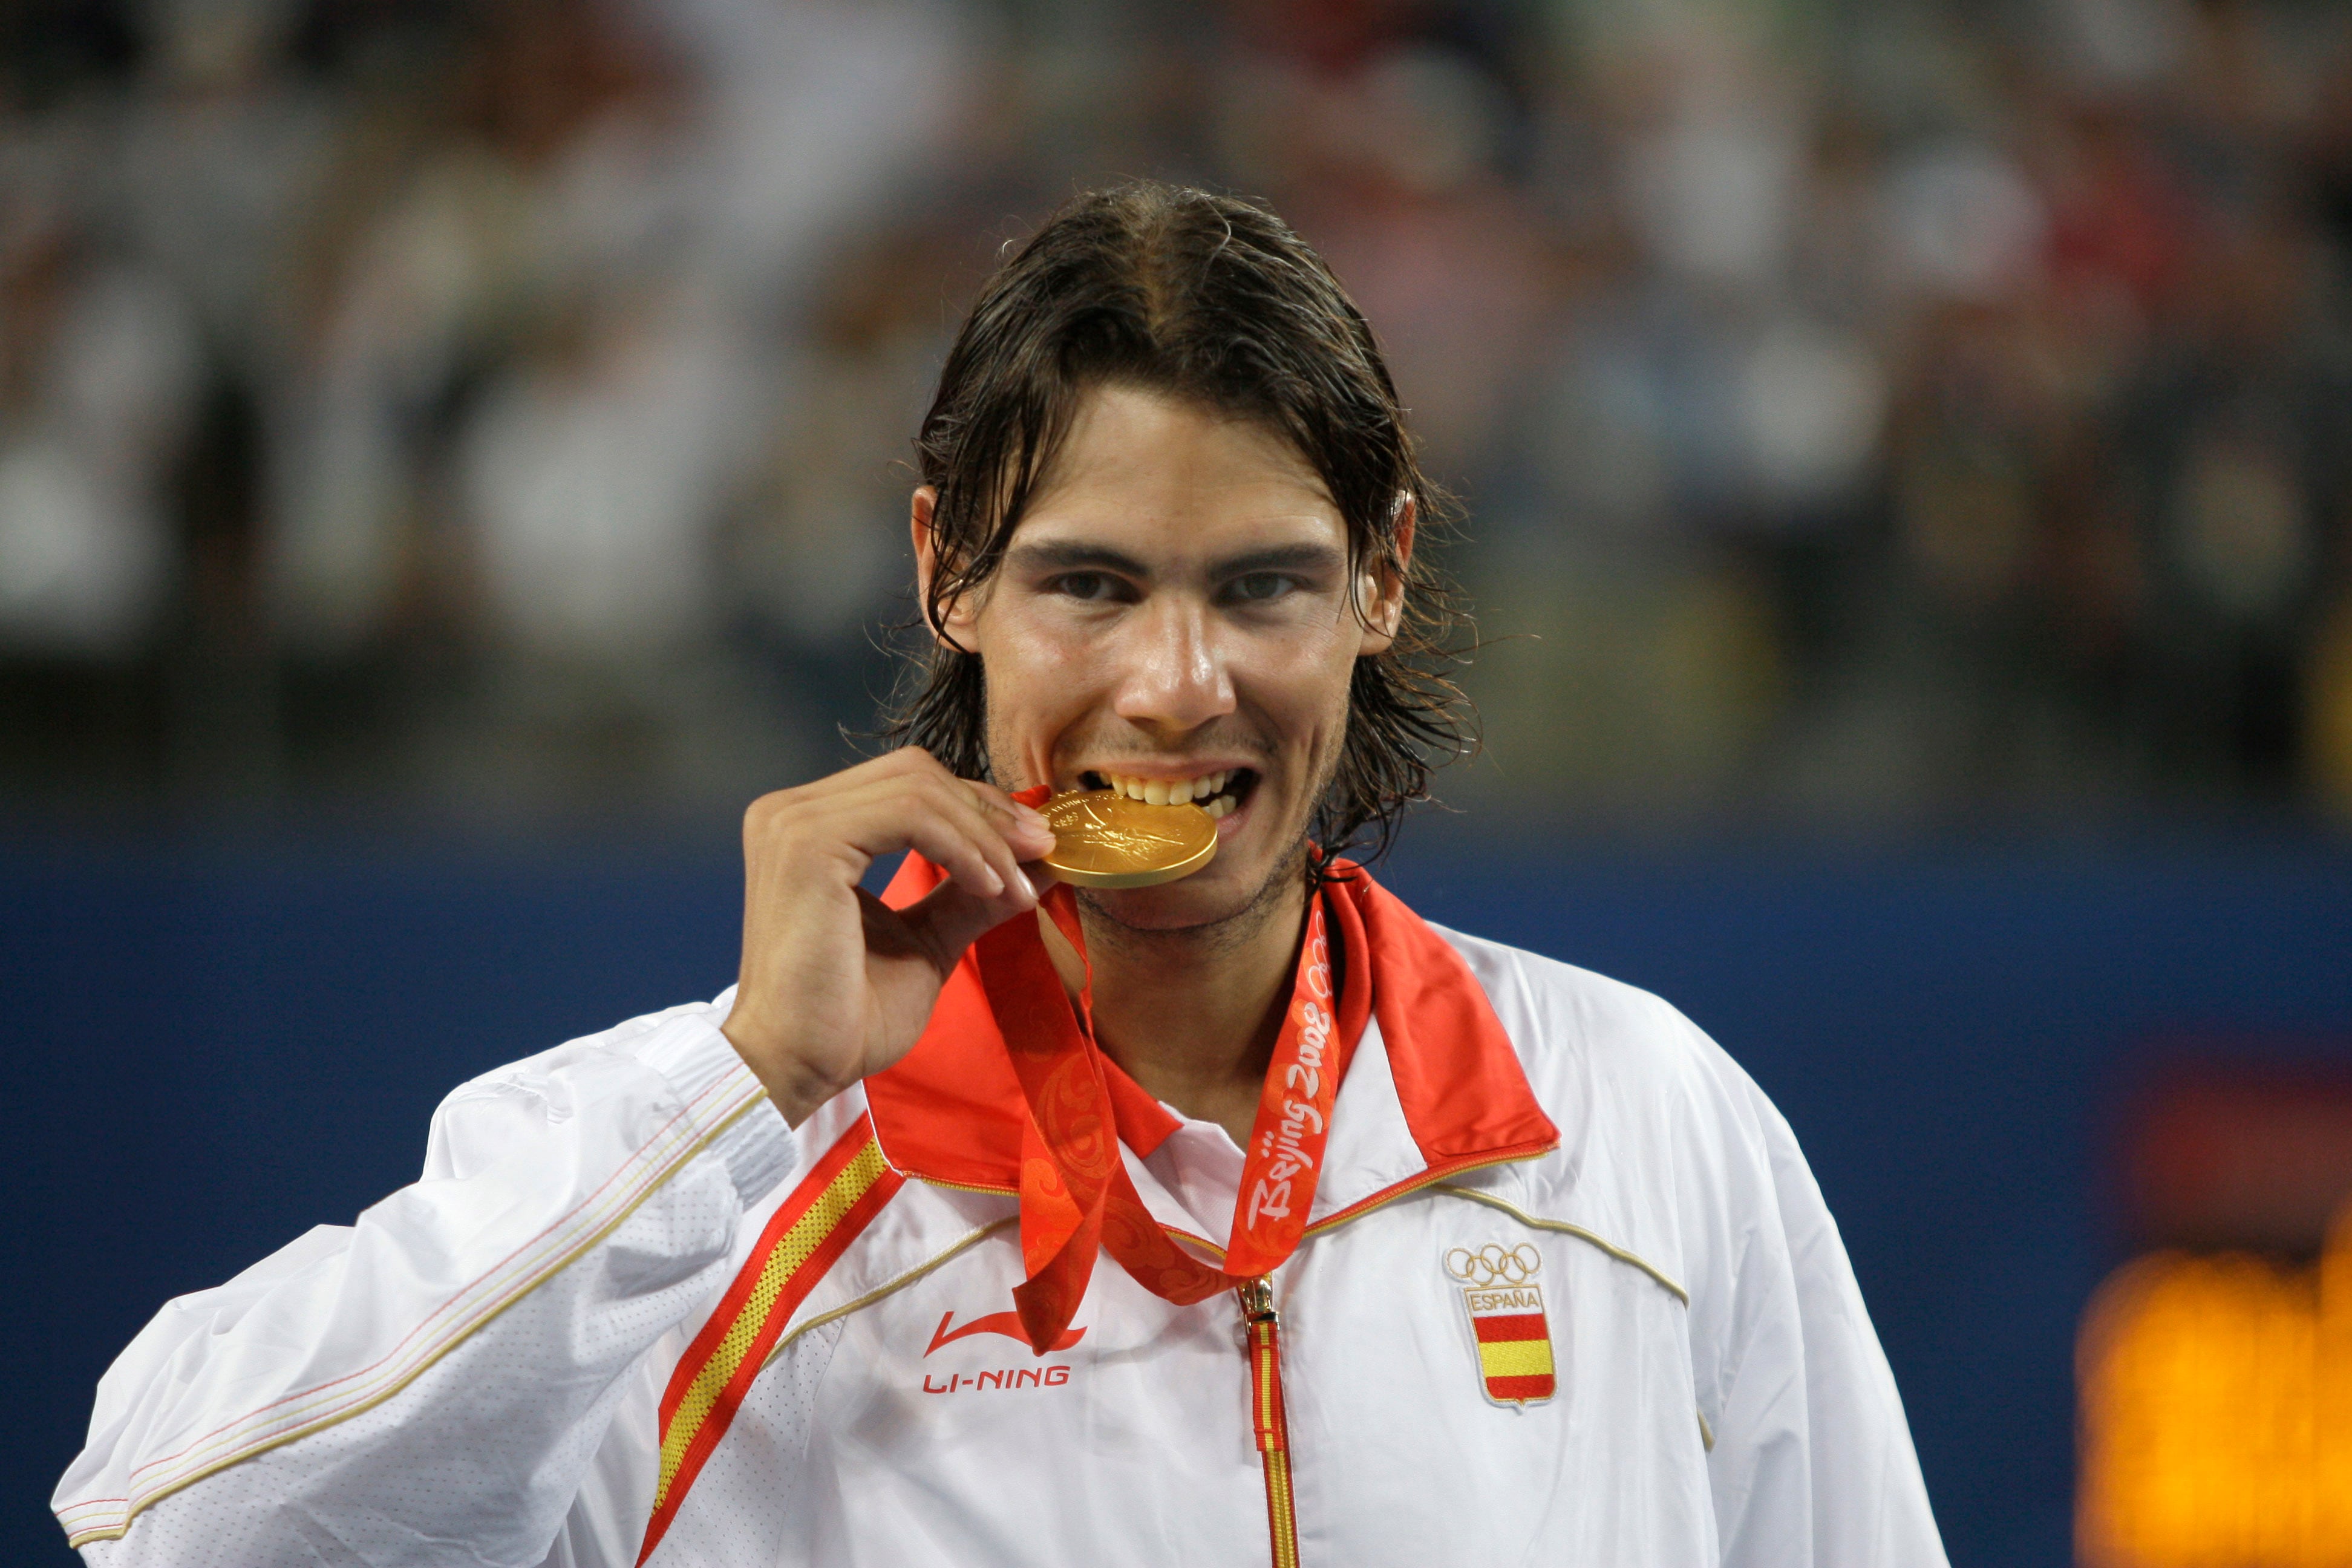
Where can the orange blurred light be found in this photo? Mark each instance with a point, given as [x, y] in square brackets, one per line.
[2217, 1413]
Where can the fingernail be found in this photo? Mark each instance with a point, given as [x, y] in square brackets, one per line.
[1026, 885]
[1029, 816]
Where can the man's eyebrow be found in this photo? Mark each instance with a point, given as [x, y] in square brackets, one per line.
[1073, 555]
[1084, 556]
[1281, 558]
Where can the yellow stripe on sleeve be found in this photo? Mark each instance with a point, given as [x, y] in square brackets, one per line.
[792, 1250]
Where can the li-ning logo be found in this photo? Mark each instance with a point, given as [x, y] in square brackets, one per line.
[1006, 1324]
[1507, 1322]
[1047, 1375]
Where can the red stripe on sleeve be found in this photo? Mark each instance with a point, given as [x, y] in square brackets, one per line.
[795, 1290]
[730, 1305]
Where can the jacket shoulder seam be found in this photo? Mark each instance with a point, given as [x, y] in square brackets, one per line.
[889, 1288]
[1622, 1253]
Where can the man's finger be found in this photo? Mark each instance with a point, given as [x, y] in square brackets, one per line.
[1023, 826]
[956, 803]
[949, 919]
[937, 819]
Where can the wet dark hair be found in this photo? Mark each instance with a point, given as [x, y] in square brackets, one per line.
[1211, 300]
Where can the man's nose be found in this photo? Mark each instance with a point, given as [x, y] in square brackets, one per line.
[1175, 677]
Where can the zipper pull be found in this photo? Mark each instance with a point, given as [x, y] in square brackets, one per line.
[1261, 1329]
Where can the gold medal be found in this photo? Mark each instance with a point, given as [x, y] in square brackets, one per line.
[1104, 840]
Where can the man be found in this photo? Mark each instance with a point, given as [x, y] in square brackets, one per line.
[1241, 1218]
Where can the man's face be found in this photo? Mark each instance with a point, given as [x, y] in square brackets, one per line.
[1175, 615]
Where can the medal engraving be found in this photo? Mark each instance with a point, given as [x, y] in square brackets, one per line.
[1103, 839]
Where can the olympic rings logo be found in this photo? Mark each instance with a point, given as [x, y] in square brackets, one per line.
[1493, 1264]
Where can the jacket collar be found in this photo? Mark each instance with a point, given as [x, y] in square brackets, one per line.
[1444, 1091]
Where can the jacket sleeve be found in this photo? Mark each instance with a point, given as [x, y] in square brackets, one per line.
[431, 1383]
[1812, 1459]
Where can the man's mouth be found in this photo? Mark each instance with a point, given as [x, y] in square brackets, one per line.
[1218, 793]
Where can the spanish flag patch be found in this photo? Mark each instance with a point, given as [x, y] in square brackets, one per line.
[1507, 1320]
[809, 1233]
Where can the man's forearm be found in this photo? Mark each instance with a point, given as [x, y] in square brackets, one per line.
[443, 1369]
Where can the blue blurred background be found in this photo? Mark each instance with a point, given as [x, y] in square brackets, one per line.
[452, 457]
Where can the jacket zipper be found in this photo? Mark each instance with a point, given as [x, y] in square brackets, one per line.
[1264, 1326]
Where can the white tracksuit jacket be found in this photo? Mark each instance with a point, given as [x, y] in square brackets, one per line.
[481, 1370]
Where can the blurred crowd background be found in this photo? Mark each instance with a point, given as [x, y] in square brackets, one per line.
[1897, 441]
[1868, 417]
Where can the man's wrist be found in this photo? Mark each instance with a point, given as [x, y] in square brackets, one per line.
[792, 1088]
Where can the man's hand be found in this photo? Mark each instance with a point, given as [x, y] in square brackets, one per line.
[835, 987]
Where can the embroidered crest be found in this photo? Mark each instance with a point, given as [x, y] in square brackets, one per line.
[1506, 1318]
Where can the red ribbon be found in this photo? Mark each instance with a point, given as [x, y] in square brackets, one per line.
[1075, 1193]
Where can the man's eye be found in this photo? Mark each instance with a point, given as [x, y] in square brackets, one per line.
[1258, 587]
[1084, 586]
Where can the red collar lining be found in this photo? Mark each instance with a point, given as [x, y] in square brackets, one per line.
[952, 1112]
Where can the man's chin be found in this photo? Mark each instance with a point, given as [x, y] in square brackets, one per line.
[1171, 907]
[1203, 904]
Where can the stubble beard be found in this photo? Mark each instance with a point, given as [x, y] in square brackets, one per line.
[1210, 939]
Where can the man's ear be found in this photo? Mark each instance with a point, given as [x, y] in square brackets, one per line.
[955, 620]
[1383, 585]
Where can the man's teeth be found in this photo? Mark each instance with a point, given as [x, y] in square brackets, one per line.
[1207, 791]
